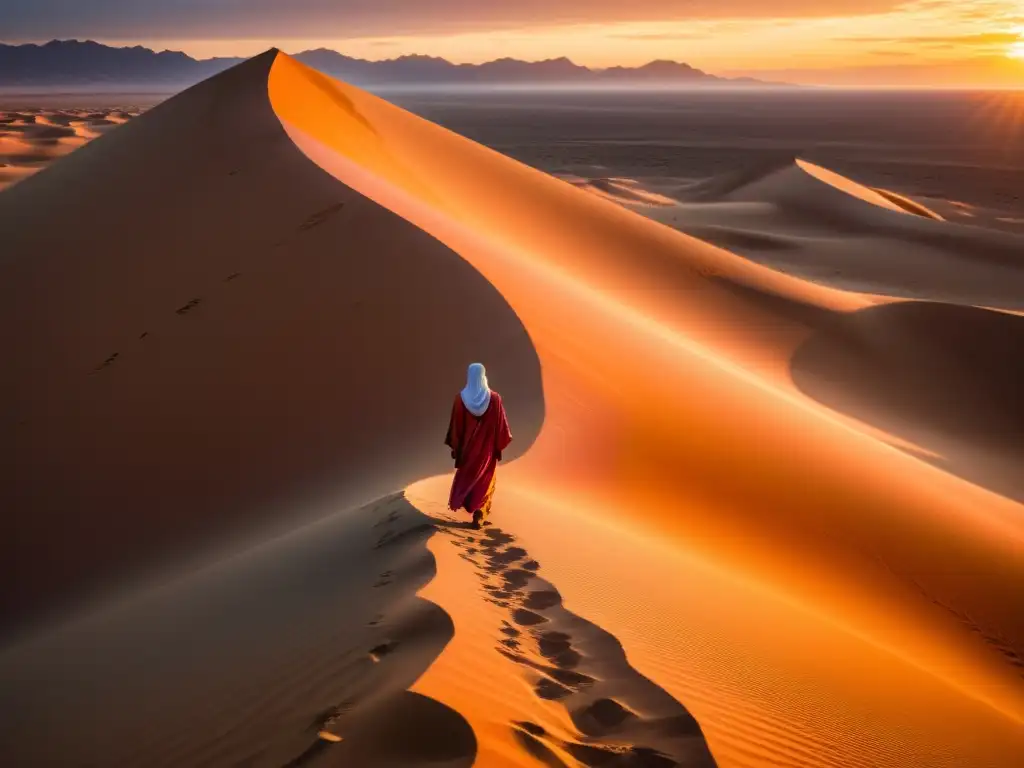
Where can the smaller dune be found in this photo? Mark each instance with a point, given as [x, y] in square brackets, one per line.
[32, 139]
[722, 187]
[796, 185]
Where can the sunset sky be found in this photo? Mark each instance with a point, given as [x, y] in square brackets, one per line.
[920, 42]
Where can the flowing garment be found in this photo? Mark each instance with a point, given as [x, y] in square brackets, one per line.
[476, 443]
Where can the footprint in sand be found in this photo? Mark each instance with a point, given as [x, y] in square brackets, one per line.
[525, 618]
[501, 559]
[611, 731]
[379, 652]
[541, 600]
[516, 579]
[627, 757]
[601, 717]
[108, 362]
[318, 218]
[184, 310]
[557, 647]
[392, 517]
[550, 690]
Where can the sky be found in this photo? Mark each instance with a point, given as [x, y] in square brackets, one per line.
[843, 42]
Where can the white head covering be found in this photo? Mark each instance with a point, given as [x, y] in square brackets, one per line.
[477, 395]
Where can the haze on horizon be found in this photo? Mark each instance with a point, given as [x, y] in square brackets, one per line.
[840, 42]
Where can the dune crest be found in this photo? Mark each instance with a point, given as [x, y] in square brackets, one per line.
[285, 278]
[801, 186]
[811, 222]
[719, 463]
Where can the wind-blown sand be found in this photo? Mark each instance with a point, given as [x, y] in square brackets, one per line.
[750, 519]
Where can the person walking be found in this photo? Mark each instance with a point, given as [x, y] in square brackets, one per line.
[478, 432]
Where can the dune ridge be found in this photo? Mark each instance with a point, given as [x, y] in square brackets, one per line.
[404, 155]
[778, 562]
[808, 221]
[201, 380]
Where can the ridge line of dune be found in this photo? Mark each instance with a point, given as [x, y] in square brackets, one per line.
[389, 175]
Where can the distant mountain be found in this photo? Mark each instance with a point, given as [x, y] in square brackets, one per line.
[73, 63]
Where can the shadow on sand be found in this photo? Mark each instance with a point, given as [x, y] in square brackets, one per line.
[624, 720]
[944, 377]
[299, 652]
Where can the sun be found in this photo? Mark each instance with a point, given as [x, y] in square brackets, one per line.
[1016, 50]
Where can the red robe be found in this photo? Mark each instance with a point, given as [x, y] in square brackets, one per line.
[476, 443]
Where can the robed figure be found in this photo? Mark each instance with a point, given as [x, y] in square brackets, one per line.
[477, 434]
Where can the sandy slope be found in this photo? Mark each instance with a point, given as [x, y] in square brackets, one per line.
[246, 661]
[665, 423]
[806, 220]
[177, 386]
[719, 468]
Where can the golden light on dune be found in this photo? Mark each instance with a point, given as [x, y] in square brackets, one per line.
[738, 528]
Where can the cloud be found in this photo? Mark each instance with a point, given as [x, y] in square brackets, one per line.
[340, 19]
[889, 54]
[988, 12]
[660, 35]
[981, 39]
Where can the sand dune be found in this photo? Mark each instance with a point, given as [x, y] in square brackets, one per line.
[313, 635]
[144, 374]
[810, 222]
[750, 519]
[32, 139]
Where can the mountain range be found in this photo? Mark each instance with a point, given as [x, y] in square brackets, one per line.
[74, 63]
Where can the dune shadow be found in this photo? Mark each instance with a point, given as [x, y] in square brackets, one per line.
[291, 654]
[155, 406]
[622, 718]
[946, 378]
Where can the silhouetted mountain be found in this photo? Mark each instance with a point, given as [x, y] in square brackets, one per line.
[71, 62]
[75, 63]
[660, 70]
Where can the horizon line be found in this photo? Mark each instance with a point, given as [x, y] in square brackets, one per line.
[732, 76]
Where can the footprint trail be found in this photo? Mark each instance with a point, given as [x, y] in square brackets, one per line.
[622, 719]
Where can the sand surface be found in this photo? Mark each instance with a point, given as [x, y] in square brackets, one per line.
[751, 519]
[32, 138]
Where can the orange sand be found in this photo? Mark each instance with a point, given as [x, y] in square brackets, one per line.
[706, 515]
[656, 420]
